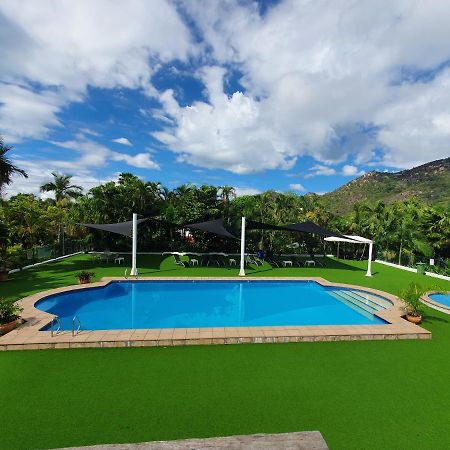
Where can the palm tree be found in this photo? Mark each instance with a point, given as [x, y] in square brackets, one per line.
[7, 168]
[62, 188]
[226, 194]
[64, 192]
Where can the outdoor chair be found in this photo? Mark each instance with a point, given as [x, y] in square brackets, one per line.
[178, 261]
[251, 260]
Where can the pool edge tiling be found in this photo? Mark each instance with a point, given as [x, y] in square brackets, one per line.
[29, 337]
[427, 300]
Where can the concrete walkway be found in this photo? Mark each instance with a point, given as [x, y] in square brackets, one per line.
[306, 440]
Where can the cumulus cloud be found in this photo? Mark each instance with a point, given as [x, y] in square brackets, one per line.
[297, 187]
[241, 191]
[39, 172]
[328, 79]
[340, 81]
[349, 170]
[225, 133]
[123, 141]
[320, 169]
[50, 52]
[94, 155]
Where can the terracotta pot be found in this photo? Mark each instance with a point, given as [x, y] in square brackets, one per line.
[7, 327]
[414, 319]
[84, 281]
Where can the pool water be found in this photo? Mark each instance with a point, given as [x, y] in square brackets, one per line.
[443, 299]
[200, 304]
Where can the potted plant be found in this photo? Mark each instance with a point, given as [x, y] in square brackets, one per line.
[85, 277]
[411, 296]
[9, 315]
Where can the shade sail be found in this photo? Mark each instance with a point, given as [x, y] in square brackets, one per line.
[311, 227]
[123, 228]
[211, 226]
[253, 225]
[351, 239]
[302, 227]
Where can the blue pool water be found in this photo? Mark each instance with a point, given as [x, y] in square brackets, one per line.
[188, 304]
[443, 299]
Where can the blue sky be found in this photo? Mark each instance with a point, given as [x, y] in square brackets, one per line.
[287, 95]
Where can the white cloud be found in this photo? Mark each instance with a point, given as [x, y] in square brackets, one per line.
[349, 170]
[94, 155]
[241, 191]
[39, 172]
[318, 170]
[123, 141]
[64, 47]
[297, 187]
[317, 76]
[27, 114]
[225, 133]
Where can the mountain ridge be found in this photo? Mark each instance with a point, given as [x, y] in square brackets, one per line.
[429, 182]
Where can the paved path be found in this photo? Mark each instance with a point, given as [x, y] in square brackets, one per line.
[306, 440]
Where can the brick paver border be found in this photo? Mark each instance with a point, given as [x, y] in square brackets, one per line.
[29, 337]
[433, 304]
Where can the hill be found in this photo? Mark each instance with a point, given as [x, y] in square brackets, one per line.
[429, 182]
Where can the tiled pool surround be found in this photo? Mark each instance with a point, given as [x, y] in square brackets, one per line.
[434, 304]
[29, 337]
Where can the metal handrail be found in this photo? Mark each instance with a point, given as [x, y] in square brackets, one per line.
[126, 274]
[53, 332]
[76, 319]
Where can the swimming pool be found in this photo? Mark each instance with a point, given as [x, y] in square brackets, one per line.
[441, 298]
[204, 304]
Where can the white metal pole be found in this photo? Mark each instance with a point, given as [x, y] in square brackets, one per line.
[338, 250]
[369, 261]
[242, 271]
[134, 249]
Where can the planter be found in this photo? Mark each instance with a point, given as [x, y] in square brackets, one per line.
[84, 281]
[7, 327]
[414, 319]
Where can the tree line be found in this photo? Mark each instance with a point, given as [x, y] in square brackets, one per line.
[404, 232]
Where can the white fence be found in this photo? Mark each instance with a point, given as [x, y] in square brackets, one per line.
[45, 262]
[411, 269]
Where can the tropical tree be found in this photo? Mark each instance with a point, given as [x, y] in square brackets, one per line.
[62, 189]
[227, 193]
[7, 168]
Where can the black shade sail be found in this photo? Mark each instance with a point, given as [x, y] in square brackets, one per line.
[302, 227]
[253, 225]
[123, 228]
[311, 227]
[211, 226]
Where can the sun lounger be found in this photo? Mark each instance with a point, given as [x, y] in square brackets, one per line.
[178, 261]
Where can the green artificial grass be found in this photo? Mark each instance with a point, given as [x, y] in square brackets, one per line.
[359, 395]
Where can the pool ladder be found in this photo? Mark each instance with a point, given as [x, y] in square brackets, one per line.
[54, 332]
[76, 330]
[126, 274]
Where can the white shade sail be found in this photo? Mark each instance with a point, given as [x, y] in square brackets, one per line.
[355, 240]
[348, 238]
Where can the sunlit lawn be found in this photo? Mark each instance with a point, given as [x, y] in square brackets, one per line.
[360, 395]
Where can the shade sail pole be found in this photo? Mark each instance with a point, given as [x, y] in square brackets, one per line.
[134, 248]
[242, 271]
[369, 262]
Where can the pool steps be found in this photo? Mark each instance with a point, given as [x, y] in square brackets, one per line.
[362, 302]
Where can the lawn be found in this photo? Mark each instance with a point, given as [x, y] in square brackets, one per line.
[360, 395]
